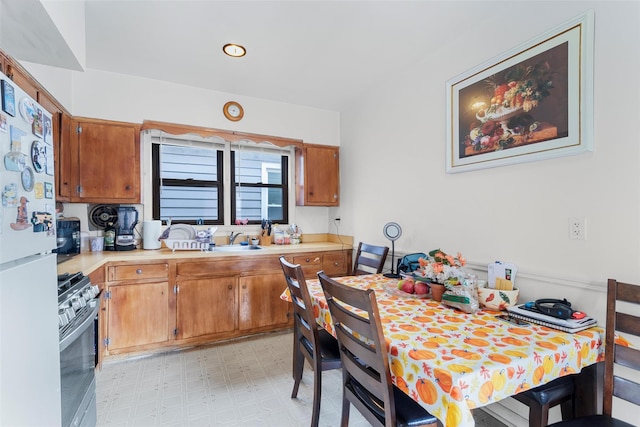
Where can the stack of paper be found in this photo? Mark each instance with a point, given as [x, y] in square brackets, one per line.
[533, 315]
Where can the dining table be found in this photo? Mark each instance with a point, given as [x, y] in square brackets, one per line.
[451, 362]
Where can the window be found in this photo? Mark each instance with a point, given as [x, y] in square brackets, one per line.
[260, 188]
[187, 184]
[197, 180]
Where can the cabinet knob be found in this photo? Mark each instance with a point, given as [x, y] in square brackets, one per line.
[336, 263]
[139, 271]
[229, 287]
[307, 260]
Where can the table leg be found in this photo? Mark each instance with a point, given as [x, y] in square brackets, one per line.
[589, 384]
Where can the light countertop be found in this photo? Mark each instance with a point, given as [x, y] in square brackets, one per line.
[87, 262]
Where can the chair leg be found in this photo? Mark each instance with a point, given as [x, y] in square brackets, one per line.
[344, 422]
[538, 415]
[317, 395]
[295, 352]
[566, 408]
[298, 368]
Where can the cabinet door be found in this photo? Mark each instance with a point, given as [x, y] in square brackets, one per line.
[206, 306]
[317, 176]
[260, 303]
[138, 315]
[108, 169]
[65, 156]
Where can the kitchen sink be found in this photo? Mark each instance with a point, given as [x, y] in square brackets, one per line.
[236, 248]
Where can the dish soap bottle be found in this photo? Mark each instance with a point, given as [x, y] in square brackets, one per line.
[110, 238]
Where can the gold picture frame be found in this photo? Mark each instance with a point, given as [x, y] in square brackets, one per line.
[531, 103]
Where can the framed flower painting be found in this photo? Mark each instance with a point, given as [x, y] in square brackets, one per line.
[534, 102]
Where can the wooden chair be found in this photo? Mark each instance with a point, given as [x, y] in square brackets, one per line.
[310, 341]
[369, 259]
[616, 384]
[366, 378]
[542, 398]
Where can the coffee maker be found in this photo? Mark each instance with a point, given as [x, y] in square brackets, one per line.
[127, 220]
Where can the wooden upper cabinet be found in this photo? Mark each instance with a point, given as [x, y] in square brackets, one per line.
[23, 80]
[3, 64]
[317, 175]
[105, 161]
[65, 155]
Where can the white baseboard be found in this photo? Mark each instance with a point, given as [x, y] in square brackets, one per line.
[505, 415]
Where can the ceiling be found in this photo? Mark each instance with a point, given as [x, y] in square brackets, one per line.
[313, 53]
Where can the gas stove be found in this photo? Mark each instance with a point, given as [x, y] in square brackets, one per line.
[76, 295]
[78, 306]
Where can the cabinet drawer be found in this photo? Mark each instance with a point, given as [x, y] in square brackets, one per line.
[308, 260]
[310, 264]
[138, 272]
[336, 264]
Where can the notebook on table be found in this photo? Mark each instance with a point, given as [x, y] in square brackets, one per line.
[533, 315]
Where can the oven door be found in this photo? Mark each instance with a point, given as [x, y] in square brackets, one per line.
[77, 370]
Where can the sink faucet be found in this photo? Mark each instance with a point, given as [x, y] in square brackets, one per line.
[233, 236]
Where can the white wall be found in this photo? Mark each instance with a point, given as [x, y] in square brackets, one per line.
[393, 164]
[119, 97]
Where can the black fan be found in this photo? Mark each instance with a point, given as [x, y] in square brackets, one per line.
[101, 215]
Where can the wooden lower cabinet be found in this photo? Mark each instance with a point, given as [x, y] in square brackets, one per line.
[260, 303]
[184, 302]
[337, 263]
[138, 315]
[206, 306]
[334, 263]
[97, 278]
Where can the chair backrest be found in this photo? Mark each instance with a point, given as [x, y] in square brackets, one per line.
[305, 325]
[365, 363]
[370, 259]
[619, 320]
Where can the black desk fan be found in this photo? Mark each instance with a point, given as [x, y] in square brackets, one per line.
[392, 231]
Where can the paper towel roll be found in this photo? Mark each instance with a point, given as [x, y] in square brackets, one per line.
[151, 230]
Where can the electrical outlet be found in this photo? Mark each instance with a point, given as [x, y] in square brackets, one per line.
[578, 228]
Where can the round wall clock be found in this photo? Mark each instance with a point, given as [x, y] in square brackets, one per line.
[233, 111]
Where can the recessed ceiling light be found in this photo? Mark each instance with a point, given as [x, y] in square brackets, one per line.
[234, 50]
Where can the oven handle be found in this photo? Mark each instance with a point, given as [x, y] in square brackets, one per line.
[86, 323]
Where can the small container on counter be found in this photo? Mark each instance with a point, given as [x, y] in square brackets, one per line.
[97, 244]
[278, 235]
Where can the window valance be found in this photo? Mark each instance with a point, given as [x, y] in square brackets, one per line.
[227, 135]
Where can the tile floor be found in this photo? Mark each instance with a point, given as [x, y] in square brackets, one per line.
[240, 383]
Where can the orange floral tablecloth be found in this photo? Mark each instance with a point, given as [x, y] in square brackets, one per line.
[451, 362]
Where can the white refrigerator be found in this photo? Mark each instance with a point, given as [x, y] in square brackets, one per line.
[29, 337]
